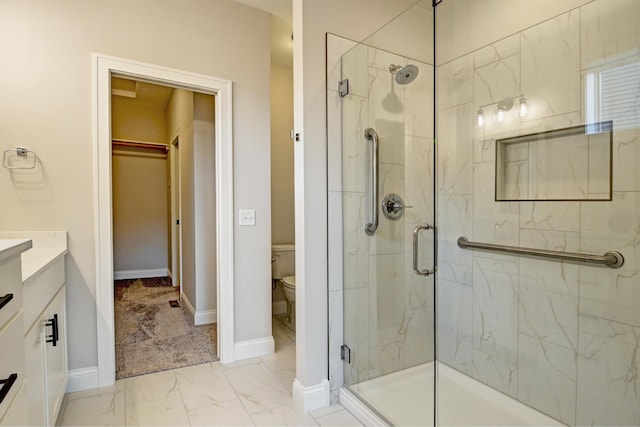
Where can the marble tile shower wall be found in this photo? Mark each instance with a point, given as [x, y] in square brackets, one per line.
[561, 337]
[384, 310]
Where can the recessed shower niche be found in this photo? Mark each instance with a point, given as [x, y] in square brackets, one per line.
[572, 163]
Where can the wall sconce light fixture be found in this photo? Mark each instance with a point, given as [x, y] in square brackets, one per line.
[503, 106]
[480, 118]
[523, 109]
[501, 110]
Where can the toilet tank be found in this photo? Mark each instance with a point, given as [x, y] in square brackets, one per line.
[283, 261]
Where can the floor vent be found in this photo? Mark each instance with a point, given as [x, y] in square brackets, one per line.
[174, 303]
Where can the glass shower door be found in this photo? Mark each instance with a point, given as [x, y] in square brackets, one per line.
[538, 147]
[388, 235]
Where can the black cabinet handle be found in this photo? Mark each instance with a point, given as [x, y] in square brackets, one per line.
[5, 300]
[53, 338]
[6, 386]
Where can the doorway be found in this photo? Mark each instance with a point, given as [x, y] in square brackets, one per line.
[106, 67]
[160, 325]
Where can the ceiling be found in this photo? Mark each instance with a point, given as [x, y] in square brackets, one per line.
[141, 93]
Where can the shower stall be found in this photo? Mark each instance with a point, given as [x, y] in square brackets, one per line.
[484, 205]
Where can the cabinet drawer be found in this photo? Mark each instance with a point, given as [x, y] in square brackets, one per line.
[12, 357]
[16, 414]
[10, 289]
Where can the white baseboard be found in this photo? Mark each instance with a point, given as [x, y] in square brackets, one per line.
[174, 280]
[83, 379]
[359, 410]
[253, 348]
[140, 274]
[279, 307]
[203, 317]
[187, 304]
[311, 398]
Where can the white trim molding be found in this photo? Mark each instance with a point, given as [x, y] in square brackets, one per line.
[254, 348]
[103, 68]
[202, 317]
[205, 317]
[82, 379]
[187, 304]
[140, 274]
[359, 410]
[312, 398]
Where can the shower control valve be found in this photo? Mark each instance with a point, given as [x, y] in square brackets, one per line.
[393, 206]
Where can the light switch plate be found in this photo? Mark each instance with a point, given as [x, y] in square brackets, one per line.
[247, 217]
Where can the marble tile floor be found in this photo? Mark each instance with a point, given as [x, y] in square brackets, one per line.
[246, 393]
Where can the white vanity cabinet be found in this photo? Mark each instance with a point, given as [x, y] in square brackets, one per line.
[12, 352]
[46, 351]
[56, 354]
[33, 344]
[45, 342]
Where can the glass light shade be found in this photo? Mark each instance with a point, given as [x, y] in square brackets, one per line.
[480, 118]
[523, 109]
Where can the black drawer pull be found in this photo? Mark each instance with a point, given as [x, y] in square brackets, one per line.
[54, 337]
[5, 300]
[6, 386]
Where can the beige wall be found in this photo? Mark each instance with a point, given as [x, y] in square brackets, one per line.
[204, 186]
[46, 105]
[282, 212]
[139, 180]
[180, 124]
[136, 122]
[139, 212]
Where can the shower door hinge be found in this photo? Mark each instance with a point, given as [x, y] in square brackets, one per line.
[345, 353]
[343, 87]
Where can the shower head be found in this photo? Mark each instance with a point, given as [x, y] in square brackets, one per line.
[405, 74]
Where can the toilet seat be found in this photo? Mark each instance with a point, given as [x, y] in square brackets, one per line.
[289, 281]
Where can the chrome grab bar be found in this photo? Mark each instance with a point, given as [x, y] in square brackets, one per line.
[416, 233]
[611, 259]
[371, 227]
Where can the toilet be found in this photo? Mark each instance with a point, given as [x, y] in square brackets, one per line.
[283, 269]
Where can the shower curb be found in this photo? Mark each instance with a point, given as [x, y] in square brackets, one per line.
[362, 412]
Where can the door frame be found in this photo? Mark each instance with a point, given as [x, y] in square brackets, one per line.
[103, 68]
[175, 210]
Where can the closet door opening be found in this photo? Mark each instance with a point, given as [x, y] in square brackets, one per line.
[164, 219]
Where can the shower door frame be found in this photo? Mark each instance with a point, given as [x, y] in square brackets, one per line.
[418, 228]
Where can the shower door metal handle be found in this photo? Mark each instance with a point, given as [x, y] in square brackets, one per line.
[371, 227]
[416, 234]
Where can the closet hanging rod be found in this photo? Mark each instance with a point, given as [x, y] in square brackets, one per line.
[611, 259]
[148, 145]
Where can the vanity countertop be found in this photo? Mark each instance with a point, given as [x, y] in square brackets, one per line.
[11, 247]
[37, 259]
[44, 248]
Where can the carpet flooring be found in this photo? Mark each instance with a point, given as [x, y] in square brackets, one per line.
[152, 336]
